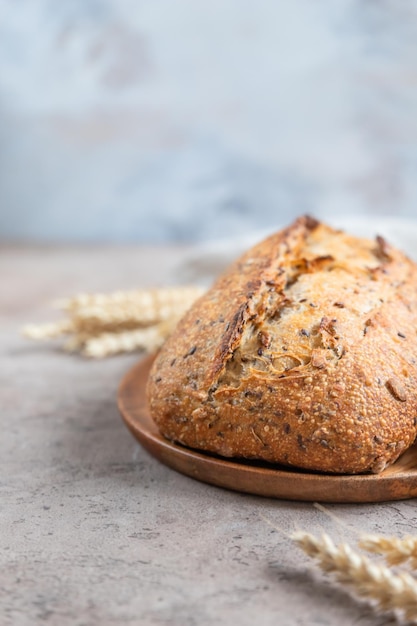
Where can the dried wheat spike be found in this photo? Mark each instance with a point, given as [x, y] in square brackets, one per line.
[148, 305]
[123, 311]
[107, 344]
[100, 325]
[394, 549]
[48, 331]
[369, 580]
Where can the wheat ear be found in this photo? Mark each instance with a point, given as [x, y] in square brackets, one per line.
[48, 331]
[394, 549]
[369, 580]
[149, 305]
[107, 344]
[103, 324]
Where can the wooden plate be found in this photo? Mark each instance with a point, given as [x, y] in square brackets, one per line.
[398, 482]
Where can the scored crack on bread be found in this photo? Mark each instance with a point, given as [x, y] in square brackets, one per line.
[303, 353]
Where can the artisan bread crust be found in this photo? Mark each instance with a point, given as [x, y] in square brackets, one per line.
[303, 353]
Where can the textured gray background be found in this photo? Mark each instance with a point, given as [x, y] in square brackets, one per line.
[133, 120]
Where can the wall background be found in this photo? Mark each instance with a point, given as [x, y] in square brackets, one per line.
[126, 120]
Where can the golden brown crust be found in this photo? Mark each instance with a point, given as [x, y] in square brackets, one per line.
[303, 353]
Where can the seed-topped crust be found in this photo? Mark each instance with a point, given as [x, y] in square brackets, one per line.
[303, 353]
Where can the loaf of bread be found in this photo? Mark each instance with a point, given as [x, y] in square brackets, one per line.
[303, 353]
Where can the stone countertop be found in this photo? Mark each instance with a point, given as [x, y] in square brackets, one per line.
[96, 531]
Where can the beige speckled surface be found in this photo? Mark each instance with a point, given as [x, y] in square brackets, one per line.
[95, 531]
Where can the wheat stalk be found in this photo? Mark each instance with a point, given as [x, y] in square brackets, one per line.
[394, 549]
[372, 581]
[48, 331]
[107, 344]
[103, 324]
[149, 304]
